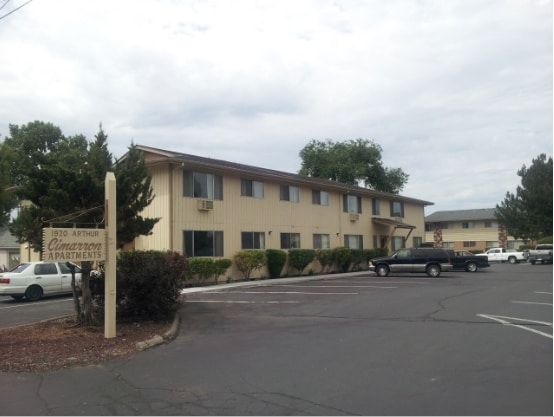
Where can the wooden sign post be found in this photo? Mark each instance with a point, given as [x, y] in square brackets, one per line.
[110, 266]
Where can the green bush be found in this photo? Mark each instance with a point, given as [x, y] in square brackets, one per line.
[276, 260]
[325, 258]
[358, 257]
[149, 284]
[247, 261]
[343, 258]
[220, 267]
[301, 258]
[201, 269]
[544, 240]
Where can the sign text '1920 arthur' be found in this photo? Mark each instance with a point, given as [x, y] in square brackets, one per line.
[67, 244]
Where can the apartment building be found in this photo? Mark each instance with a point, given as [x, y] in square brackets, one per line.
[469, 230]
[215, 208]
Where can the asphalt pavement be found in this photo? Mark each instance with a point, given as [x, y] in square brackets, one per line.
[340, 344]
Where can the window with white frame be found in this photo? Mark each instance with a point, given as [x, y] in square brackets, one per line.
[251, 188]
[490, 223]
[202, 243]
[252, 240]
[320, 198]
[352, 203]
[290, 193]
[354, 241]
[469, 244]
[322, 241]
[202, 185]
[448, 245]
[468, 225]
[290, 240]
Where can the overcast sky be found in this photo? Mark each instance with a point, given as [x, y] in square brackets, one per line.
[458, 93]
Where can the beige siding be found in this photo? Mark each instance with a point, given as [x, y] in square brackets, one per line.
[235, 214]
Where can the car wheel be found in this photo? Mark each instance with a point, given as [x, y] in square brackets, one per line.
[434, 271]
[382, 270]
[512, 259]
[33, 293]
[471, 267]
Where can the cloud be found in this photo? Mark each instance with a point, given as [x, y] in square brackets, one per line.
[458, 93]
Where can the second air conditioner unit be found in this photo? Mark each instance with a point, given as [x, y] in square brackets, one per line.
[205, 204]
[354, 217]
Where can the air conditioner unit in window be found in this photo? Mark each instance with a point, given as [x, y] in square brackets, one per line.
[205, 204]
[354, 217]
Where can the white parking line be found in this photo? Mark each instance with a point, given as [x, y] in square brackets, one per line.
[543, 292]
[507, 321]
[531, 302]
[293, 292]
[242, 302]
[333, 286]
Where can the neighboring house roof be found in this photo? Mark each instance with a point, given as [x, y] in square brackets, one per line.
[7, 241]
[461, 215]
[164, 156]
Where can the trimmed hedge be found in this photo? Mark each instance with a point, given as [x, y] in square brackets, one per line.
[247, 261]
[276, 260]
[301, 258]
[149, 284]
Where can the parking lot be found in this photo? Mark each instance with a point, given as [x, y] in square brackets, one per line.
[462, 344]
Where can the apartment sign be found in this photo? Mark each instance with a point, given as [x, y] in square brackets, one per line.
[70, 244]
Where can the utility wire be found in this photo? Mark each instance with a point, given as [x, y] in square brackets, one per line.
[14, 10]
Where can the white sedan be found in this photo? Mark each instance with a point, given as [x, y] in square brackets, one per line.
[32, 280]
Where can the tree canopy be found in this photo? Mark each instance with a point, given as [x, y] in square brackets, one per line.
[527, 214]
[351, 162]
[61, 179]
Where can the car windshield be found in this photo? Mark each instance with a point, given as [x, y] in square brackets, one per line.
[20, 268]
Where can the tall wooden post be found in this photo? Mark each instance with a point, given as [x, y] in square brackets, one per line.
[110, 266]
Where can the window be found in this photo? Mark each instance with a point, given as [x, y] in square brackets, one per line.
[46, 269]
[469, 244]
[375, 242]
[252, 240]
[396, 209]
[354, 241]
[250, 188]
[202, 185]
[448, 245]
[290, 193]
[320, 197]
[429, 227]
[352, 203]
[376, 206]
[489, 223]
[322, 241]
[398, 242]
[492, 244]
[468, 225]
[417, 241]
[203, 243]
[444, 225]
[290, 240]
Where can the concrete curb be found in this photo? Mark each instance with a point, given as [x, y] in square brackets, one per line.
[167, 336]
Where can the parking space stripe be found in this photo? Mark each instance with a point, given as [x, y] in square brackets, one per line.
[531, 302]
[293, 292]
[508, 322]
[242, 302]
[333, 286]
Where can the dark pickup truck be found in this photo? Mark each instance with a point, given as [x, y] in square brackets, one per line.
[467, 261]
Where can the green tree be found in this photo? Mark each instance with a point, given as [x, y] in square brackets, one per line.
[527, 214]
[8, 199]
[247, 261]
[351, 162]
[61, 179]
[134, 194]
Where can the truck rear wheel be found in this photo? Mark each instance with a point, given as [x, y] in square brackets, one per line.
[471, 267]
[512, 259]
